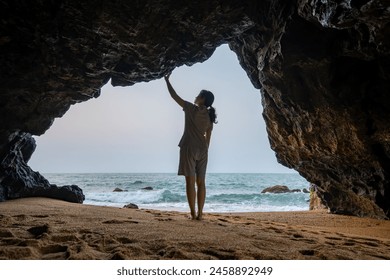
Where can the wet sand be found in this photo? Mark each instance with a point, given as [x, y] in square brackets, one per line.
[40, 228]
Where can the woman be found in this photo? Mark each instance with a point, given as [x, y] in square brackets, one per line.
[194, 144]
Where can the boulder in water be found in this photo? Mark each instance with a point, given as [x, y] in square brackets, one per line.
[131, 206]
[118, 190]
[280, 189]
[148, 188]
[296, 190]
[305, 191]
[277, 189]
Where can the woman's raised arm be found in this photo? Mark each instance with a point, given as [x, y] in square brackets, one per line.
[172, 92]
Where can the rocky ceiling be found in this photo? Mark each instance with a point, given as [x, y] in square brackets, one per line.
[322, 67]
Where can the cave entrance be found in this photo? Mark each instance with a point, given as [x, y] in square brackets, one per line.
[137, 129]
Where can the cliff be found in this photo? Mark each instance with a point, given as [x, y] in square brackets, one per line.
[322, 68]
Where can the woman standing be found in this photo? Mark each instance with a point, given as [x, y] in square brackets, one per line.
[194, 144]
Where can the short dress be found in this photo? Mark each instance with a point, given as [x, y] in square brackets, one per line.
[193, 144]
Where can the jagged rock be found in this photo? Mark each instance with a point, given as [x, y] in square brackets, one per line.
[131, 206]
[18, 180]
[276, 189]
[322, 67]
[148, 188]
[118, 190]
[305, 191]
[315, 203]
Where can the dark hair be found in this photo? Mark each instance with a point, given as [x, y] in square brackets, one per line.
[209, 100]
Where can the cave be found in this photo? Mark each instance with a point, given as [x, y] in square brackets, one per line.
[322, 68]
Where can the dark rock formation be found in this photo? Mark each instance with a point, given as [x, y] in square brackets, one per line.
[148, 188]
[305, 191]
[131, 206]
[279, 189]
[315, 202]
[276, 189]
[322, 66]
[296, 190]
[18, 180]
[118, 190]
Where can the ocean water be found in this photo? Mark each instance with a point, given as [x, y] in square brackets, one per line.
[224, 192]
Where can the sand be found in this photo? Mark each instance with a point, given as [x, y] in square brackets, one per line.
[39, 228]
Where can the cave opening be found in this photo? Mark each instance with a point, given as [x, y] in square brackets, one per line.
[128, 135]
[137, 128]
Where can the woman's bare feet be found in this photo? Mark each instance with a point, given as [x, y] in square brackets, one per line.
[199, 217]
[192, 216]
[189, 217]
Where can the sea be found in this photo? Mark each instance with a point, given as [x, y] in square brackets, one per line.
[224, 192]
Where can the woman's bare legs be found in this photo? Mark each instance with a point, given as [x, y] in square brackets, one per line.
[191, 194]
[200, 182]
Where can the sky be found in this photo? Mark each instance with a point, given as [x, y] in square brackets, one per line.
[138, 128]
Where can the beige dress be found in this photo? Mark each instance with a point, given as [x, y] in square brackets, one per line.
[193, 144]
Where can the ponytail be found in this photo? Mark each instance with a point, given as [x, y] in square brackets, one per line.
[212, 114]
[209, 99]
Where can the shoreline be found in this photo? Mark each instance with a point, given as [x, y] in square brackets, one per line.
[41, 228]
[186, 209]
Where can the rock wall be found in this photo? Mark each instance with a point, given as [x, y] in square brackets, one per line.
[322, 67]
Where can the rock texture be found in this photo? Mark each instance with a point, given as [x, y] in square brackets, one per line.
[279, 189]
[322, 67]
[315, 202]
[18, 180]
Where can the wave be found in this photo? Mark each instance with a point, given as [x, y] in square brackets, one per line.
[225, 192]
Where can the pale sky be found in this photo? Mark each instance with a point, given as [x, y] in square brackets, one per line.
[138, 128]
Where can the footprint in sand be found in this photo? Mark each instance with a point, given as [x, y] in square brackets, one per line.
[333, 238]
[349, 243]
[125, 240]
[275, 229]
[164, 219]
[5, 233]
[120, 222]
[307, 252]
[53, 252]
[38, 230]
[370, 243]
[222, 225]
[297, 235]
